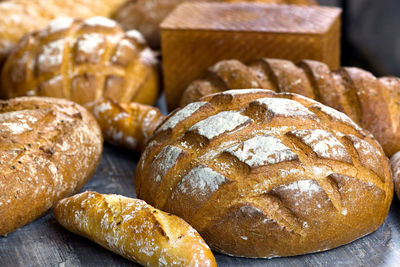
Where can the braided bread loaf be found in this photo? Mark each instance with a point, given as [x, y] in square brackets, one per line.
[19, 17]
[261, 174]
[372, 103]
[134, 229]
[146, 15]
[82, 60]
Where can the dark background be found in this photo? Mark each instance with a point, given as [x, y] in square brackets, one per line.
[371, 34]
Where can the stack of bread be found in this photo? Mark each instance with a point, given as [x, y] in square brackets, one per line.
[263, 160]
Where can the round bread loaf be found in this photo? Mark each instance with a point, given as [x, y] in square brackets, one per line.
[395, 164]
[264, 174]
[82, 60]
[49, 148]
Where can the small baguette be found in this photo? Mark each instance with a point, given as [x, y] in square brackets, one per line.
[128, 125]
[134, 229]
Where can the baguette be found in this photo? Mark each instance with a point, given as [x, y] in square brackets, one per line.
[265, 174]
[373, 103]
[49, 148]
[134, 229]
[18, 17]
[146, 15]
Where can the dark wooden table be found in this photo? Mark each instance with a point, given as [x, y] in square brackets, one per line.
[45, 243]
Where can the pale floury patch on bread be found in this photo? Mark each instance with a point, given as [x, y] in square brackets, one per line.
[373, 103]
[134, 229]
[262, 174]
[49, 148]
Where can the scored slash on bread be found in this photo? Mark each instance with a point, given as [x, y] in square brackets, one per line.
[49, 148]
[262, 174]
[82, 60]
[134, 229]
[395, 164]
[371, 102]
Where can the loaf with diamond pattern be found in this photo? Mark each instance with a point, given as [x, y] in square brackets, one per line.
[19, 17]
[82, 60]
[372, 103]
[264, 174]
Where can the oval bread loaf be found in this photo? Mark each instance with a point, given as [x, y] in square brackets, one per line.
[49, 148]
[395, 164]
[82, 60]
[373, 103]
[134, 229]
[261, 174]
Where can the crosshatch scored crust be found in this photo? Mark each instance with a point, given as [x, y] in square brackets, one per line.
[134, 229]
[49, 148]
[82, 60]
[314, 181]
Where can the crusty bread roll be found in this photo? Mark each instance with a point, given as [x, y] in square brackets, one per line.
[372, 103]
[395, 164]
[261, 174]
[128, 125]
[146, 15]
[19, 17]
[49, 148]
[134, 229]
[82, 60]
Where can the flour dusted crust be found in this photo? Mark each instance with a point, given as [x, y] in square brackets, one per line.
[373, 103]
[49, 148]
[262, 174]
[82, 60]
[134, 229]
[147, 15]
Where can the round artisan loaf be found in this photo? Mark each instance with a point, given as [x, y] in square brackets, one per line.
[395, 164]
[146, 15]
[82, 60]
[49, 148]
[265, 174]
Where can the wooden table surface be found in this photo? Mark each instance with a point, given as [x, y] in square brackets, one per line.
[45, 243]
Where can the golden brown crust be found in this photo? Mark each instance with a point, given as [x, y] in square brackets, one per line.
[261, 174]
[82, 60]
[19, 17]
[146, 15]
[128, 125]
[395, 164]
[134, 229]
[372, 103]
[49, 148]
